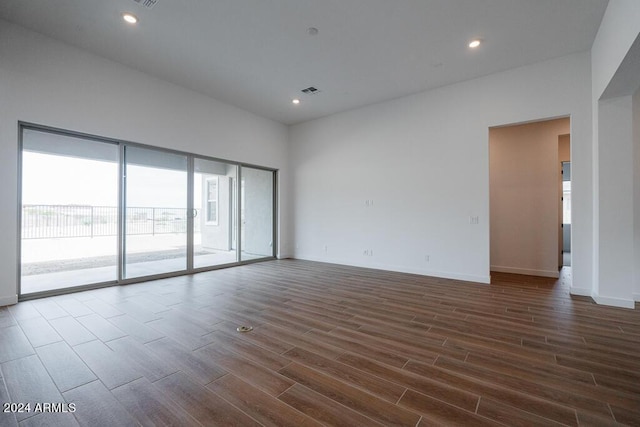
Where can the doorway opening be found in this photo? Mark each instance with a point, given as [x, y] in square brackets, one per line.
[564, 156]
[526, 191]
[566, 214]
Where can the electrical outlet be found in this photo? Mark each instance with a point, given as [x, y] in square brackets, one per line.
[326, 249]
[474, 219]
[426, 258]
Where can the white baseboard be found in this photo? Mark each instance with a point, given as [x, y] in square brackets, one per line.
[528, 272]
[8, 300]
[583, 292]
[402, 269]
[615, 302]
[284, 256]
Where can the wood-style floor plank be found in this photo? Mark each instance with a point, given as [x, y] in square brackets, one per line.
[267, 380]
[203, 404]
[533, 387]
[65, 367]
[371, 406]
[375, 385]
[39, 331]
[512, 416]
[51, 419]
[248, 350]
[200, 368]
[72, 331]
[6, 319]
[135, 329]
[324, 409]
[14, 344]
[49, 309]
[150, 406]
[7, 418]
[143, 359]
[28, 382]
[72, 306]
[112, 369]
[97, 406]
[266, 409]
[331, 345]
[439, 412]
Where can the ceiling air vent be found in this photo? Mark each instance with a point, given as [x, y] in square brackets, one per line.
[310, 90]
[146, 3]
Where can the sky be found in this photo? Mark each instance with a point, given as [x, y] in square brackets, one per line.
[58, 180]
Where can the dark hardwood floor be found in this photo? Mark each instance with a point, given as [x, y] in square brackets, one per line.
[331, 345]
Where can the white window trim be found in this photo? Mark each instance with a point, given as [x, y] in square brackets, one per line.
[208, 201]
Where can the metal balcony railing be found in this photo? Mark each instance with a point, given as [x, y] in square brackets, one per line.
[59, 221]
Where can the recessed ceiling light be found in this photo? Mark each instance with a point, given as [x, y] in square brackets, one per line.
[312, 31]
[130, 18]
[475, 43]
[296, 101]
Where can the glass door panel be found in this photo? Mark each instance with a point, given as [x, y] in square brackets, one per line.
[155, 212]
[98, 211]
[256, 213]
[69, 211]
[214, 223]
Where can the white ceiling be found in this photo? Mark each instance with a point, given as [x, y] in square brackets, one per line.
[257, 54]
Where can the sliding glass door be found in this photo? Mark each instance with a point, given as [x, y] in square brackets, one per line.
[257, 213]
[155, 212]
[69, 215]
[214, 185]
[96, 211]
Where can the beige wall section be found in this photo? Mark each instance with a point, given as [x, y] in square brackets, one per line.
[524, 202]
[564, 147]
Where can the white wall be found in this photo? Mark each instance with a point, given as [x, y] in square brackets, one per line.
[424, 161]
[616, 68]
[636, 184]
[619, 29]
[524, 197]
[615, 203]
[49, 83]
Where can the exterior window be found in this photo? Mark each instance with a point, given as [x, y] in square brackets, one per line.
[566, 202]
[212, 201]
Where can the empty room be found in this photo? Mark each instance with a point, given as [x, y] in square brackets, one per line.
[291, 213]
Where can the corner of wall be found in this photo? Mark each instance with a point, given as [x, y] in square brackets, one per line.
[636, 179]
[10, 300]
[583, 292]
[614, 302]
